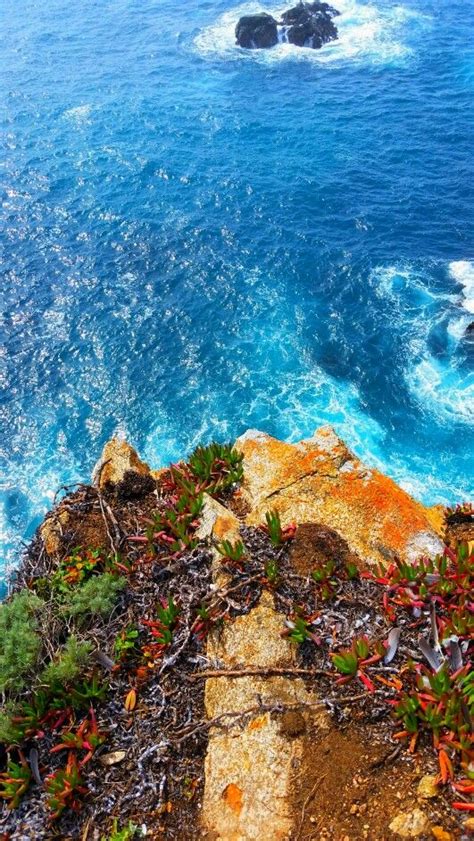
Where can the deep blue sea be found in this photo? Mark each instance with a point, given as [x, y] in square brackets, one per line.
[196, 239]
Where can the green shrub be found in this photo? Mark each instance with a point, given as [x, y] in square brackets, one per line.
[20, 643]
[69, 664]
[10, 733]
[96, 597]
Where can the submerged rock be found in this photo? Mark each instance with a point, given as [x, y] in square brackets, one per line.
[256, 31]
[305, 25]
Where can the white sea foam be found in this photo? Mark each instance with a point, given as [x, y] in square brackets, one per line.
[462, 271]
[442, 386]
[79, 114]
[369, 33]
[446, 388]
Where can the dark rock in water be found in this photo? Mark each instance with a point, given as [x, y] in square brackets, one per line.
[256, 31]
[305, 25]
[469, 333]
[310, 25]
[299, 13]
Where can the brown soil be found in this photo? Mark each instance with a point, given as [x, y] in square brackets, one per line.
[354, 780]
[84, 530]
[316, 544]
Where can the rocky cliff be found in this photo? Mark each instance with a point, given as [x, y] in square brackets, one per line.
[250, 576]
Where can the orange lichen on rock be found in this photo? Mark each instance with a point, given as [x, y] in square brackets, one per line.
[224, 526]
[232, 795]
[258, 723]
[320, 480]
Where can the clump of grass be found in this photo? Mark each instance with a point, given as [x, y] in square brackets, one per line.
[10, 732]
[96, 597]
[68, 665]
[20, 643]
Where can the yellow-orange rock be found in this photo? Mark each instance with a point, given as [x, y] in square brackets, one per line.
[250, 764]
[52, 529]
[217, 524]
[410, 824]
[441, 834]
[117, 457]
[320, 480]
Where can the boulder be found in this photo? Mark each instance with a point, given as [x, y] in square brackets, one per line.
[305, 25]
[319, 480]
[118, 458]
[256, 31]
[309, 25]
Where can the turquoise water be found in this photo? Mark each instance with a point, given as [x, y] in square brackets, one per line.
[196, 239]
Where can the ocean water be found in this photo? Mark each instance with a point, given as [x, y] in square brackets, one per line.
[196, 239]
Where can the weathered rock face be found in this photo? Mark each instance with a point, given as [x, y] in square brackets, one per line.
[118, 458]
[320, 480]
[250, 765]
[256, 31]
[305, 25]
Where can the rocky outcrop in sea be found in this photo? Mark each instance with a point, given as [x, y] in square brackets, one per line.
[305, 25]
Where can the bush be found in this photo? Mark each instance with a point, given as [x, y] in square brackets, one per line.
[20, 643]
[96, 597]
[69, 664]
[10, 733]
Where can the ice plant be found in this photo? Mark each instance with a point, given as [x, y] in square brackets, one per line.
[86, 737]
[173, 527]
[298, 628]
[323, 577]
[204, 621]
[441, 704]
[216, 467]
[126, 642]
[15, 781]
[353, 661]
[64, 788]
[234, 552]
[274, 529]
[272, 572]
[161, 629]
